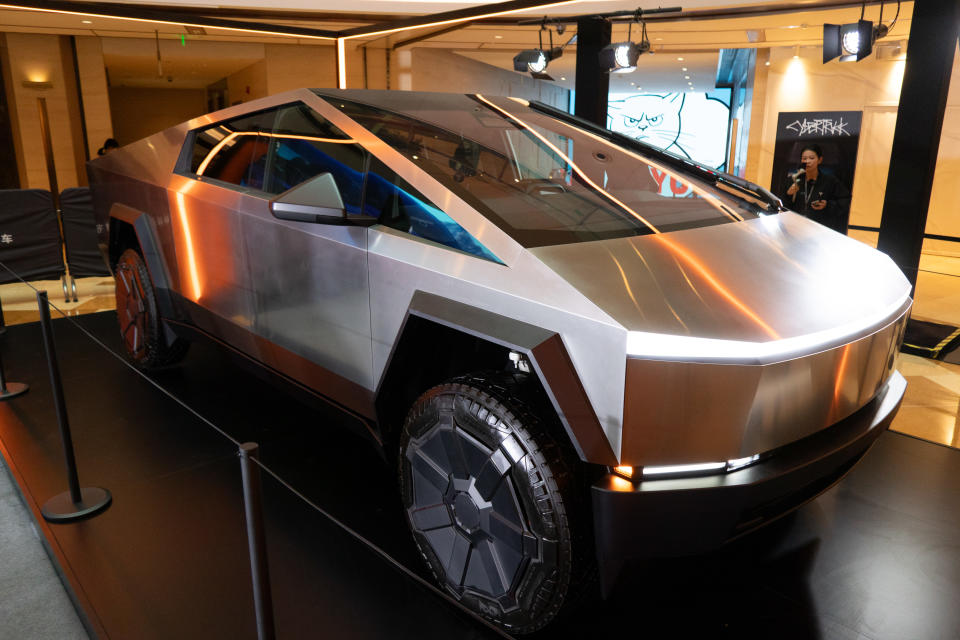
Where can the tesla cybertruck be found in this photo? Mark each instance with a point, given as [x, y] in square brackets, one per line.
[578, 349]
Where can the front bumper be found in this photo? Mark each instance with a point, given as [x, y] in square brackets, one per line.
[682, 516]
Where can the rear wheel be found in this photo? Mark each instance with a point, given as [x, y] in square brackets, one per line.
[487, 493]
[141, 331]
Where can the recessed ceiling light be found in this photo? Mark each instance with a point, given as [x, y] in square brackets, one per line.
[562, 78]
[658, 38]
[686, 77]
[498, 37]
[767, 63]
[683, 68]
[680, 59]
[86, 21]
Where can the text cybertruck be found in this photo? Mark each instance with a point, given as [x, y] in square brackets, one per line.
[571, 366]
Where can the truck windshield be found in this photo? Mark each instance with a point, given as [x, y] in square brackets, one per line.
[543, 181]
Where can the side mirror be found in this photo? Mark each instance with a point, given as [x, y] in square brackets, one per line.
[316, 200]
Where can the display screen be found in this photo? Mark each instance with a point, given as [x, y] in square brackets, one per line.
[690, 125]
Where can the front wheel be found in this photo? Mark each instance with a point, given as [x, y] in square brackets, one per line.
[141, 331]
[487, 494]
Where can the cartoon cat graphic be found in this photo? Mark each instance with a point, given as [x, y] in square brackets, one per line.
[689, 125]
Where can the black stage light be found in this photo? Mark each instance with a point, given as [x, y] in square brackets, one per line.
[621, 57]
[535, 61]
[850, 42]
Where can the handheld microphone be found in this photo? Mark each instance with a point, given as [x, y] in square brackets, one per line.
[796, 175]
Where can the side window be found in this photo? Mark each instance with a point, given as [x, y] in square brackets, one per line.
[399, 206]
[229, 150]
[303, 145]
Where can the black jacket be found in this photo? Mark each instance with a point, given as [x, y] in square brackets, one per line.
[826, 187]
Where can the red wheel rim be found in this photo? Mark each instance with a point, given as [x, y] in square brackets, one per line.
[131, 311]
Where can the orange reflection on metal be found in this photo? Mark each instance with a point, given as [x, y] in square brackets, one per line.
[718, 286]
[569, 161]
[188, 242]
[663, 295]
[620, 484]
[841, 372]
[626, 283]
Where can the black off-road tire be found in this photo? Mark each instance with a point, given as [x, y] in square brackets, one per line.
[491, 499]
[141, 330]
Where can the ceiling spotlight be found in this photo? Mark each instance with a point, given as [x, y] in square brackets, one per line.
[621, 57]
[854, 41]
[680, 59]
[850, 42]
[535, 61]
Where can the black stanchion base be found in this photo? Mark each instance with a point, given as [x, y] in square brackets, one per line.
[61, 508]
[14, 389]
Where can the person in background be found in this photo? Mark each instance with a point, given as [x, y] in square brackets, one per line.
[817, 195]
[108, 145]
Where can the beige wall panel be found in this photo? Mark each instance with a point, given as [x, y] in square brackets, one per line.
[873, 165]
[247, 84]
[944, 216]
[291, 66]
[96, 96]
[139, 112]
[38, 57]
[438, 70]
[376, 69]
[806, 84]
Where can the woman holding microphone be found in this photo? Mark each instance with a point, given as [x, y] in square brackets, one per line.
[817, 195]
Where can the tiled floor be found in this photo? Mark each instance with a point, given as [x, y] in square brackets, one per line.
[931, 408]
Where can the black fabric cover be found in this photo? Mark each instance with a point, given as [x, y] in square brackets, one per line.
[80, 234]
[930, 339]
[29, 235]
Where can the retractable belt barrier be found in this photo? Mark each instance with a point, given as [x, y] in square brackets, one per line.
[29, 235]
[80, 234]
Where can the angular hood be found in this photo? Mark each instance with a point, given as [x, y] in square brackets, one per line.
[776, 280]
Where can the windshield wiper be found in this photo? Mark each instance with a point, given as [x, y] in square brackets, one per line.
[734, 185]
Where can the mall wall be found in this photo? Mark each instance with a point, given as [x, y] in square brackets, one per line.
[142, 111]
[873, 87]
[439, 70]
[30, 57]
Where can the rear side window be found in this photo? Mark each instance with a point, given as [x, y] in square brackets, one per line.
[275, 150]
[226, 151]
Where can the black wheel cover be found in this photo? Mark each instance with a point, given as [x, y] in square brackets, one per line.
[479, 482]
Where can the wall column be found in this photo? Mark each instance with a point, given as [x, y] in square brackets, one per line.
[916, 139]
[593, 84]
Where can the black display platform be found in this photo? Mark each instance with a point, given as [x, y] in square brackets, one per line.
[876, 557]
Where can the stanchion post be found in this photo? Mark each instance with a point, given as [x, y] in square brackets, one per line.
[76, 503]
[256, 540]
